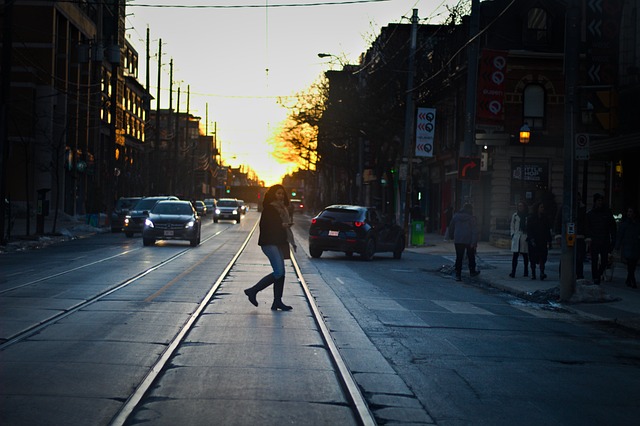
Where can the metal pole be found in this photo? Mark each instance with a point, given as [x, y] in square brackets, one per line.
[405, 188]
[472, 81]
[572, 52]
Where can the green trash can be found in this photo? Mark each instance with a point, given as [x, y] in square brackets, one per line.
[417, 233]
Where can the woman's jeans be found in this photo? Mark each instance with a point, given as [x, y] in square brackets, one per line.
[276, 260]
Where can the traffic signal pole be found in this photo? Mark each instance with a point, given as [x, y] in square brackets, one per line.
[569, 208]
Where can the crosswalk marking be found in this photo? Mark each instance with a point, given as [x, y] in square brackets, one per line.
[461, 307]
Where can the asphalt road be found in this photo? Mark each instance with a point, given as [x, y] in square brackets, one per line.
[422, 348]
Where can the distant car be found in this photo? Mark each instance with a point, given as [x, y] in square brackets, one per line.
[172, 220]
[354, 229]
[200, 207]
[295, 206]
[120, 211]
[243, 207]
[210, 203]
[227, 209]
[134, 221]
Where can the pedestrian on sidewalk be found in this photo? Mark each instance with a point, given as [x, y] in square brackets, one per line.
[275, 238]
[628, 243]
[519, 239]
[539, 239]
[463, 230]
[600, 233]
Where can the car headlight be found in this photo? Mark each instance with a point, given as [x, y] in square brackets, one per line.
[127, 219]
[148, 222]
[235, 211]
[190, 224]
[217, 211]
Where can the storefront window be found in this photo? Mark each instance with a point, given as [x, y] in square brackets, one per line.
[536, 179]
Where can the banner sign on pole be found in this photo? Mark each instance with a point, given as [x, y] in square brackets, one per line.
[425, 132]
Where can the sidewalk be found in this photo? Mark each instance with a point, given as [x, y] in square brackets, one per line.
[609, 302]
[67, 228]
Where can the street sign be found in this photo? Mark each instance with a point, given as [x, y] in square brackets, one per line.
[425, 132]
[469, 168]
[582, 146]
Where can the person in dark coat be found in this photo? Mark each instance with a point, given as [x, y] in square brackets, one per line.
[275, 238]
[600, 233]
[628, 242]
[539, 239]
[463, 229]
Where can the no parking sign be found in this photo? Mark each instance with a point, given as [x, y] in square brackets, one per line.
[582, 146]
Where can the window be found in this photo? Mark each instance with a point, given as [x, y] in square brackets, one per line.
[536, 28]
[533, 104]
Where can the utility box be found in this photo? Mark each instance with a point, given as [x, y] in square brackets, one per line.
[417, 233]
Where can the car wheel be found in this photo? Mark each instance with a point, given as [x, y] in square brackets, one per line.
[315, 253]
[369, 249]
[215, 220]
[148, 241]
[129, 234]
[399, 247]
[194, 242]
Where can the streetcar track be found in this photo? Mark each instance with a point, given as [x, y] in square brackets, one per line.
[96, 262]
[36, 328]
[354, 395]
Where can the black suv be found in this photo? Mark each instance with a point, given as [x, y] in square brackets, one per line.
[134, 221]
[354, 229]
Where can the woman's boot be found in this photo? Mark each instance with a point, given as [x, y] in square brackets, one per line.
[533, 272]
[265, 282]
[514, 265]
[278, 289]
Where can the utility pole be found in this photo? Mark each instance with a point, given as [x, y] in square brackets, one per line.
[147, 105]
[5, 87]
[569, 211]
[158, 156]
[114, 59]
[168, 166]
[409, 118]
[177, 141]
[472, 81]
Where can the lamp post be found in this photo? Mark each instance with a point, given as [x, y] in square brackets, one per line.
[525, 136]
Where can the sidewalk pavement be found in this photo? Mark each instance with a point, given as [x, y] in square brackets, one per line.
[612, 301]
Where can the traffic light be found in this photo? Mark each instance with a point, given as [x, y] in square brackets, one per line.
[293, 192]
[228, 189]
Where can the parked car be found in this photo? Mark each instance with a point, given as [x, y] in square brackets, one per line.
[120, 212]
[201, 207]
[295, 206]
[134, 221]
[354, 229]
[172, 220]
[227, 208]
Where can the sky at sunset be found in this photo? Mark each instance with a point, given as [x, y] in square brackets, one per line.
[223, 52]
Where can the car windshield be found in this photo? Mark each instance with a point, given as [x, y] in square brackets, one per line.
[172, 208]
[227, 203]
[341, 215]
[126, 203]
[146, 204]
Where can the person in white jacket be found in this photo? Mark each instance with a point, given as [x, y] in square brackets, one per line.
[519, 244]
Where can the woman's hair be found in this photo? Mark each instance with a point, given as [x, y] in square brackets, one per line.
[270, 196]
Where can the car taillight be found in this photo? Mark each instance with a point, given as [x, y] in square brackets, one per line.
[313, 221]
[358, 224]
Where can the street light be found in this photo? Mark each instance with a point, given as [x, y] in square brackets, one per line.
[525, 135]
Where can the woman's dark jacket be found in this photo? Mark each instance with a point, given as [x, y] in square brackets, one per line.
[464, 229]
[271, 231]
[538, 231]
